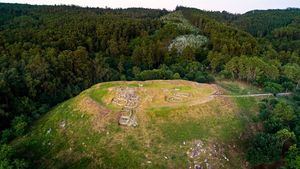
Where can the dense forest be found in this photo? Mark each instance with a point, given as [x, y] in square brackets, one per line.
[51, 53]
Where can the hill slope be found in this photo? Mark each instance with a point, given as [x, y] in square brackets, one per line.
[179, 124]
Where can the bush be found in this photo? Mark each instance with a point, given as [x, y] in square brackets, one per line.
[200, 77]
[4, 164]
[123, 78]
[210, 78]
[19, 125]
[284, 112]
[6, 160]
[44, 108]
[288, 86]
[5, 155]
[293, 158]
[6, 135]
[226, 74]
[176, 76]
[273, 124]
[155, 74]
[273, 87]
[190, 76]
[265, 148]
[19, 164]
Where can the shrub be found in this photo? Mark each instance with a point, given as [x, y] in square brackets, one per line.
[7, 161]
[176, 76]
[19, 125]
[210, 78]
[155, 74]
[265, 148]
[226, 74]
[200, 77]
[273, 87]
[293, 158]
[6, 135]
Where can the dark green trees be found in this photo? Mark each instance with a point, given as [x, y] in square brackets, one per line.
[281, 123]
[264, 148]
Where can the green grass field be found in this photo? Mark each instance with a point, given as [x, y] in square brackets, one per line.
[67, 136]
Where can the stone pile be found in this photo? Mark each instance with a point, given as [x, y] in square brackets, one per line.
[206, 156]
[128, 99]
[178, 97]
[128, 119]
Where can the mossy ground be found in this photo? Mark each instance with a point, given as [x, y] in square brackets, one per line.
[70, 136]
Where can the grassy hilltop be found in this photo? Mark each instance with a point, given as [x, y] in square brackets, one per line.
[200, 129]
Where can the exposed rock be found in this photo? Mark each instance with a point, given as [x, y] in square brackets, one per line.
[197, 166]
[129, 100]
[202, 154]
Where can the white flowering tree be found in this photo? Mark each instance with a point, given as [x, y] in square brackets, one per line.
[183, 41]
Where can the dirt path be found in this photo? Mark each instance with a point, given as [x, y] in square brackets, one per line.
[257, 95]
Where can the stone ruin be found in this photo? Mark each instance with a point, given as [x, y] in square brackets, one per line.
[128, 119]
[178, 96]
[128, 99]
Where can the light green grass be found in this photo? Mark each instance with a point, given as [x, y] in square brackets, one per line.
[238, 88]
[162, 112]
[222, 128]
[98, 93]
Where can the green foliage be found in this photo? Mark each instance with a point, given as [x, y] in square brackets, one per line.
[5, 152]
[277, 116]
[284, 112]
[285, 135]
[272, 87]
[293, 158]
[224, 38]
[292, 71]
[7, 161]
[155, 74]
[251, 68]
[45, 62]
[272, 125]
[261, 23]
[281, 125]
[176, 76]
[19, 125]
[177, 19]
[264, 148]
[6, 135]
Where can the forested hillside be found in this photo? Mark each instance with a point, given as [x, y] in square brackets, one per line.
[51, 53]
[261, 23]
